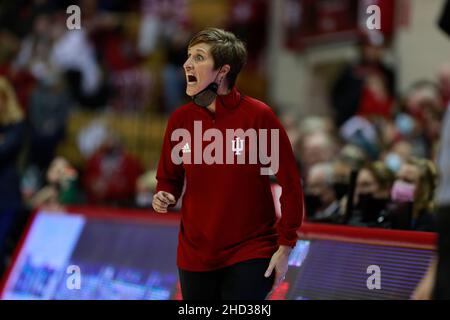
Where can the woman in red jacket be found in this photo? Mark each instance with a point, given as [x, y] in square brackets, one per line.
[231, 244]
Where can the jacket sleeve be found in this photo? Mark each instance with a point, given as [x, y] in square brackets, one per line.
[170, 176]
[292, 202]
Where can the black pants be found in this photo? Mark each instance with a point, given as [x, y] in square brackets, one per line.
[241, 281]
[442, 286]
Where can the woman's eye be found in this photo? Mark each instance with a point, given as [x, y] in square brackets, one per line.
[199, 58]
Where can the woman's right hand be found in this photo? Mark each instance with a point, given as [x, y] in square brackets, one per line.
[162, 200]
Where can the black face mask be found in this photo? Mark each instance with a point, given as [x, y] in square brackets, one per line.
[312, 203]
[205, 97]
[340, 189]
[370, 207]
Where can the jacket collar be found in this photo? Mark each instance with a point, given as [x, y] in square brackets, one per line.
[228, 102]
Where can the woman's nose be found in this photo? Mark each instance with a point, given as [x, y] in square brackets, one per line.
[188, 65]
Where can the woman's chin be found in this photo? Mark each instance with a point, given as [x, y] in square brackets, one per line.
[191, 91]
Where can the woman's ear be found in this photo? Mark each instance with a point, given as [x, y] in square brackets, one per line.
[224, 71]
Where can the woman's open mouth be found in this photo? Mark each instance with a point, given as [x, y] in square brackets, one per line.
[191, 79]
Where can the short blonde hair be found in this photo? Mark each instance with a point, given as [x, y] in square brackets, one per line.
[13, 113]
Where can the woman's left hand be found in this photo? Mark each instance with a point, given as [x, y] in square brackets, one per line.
[279, 262]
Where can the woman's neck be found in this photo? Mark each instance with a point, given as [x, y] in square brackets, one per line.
[222, 91]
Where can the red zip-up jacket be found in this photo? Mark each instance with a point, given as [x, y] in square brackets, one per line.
[227, 213]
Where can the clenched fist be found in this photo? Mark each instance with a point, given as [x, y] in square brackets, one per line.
[162, 200]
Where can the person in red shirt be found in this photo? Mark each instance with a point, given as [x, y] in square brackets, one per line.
[231, 243]
[111, 173]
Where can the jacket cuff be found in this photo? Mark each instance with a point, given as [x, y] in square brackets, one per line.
[285, 242]
[168, 187]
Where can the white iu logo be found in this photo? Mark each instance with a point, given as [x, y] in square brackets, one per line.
[186, 148]
[237, 146]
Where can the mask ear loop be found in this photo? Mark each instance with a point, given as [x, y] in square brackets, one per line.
[214, 86]
[220, 81]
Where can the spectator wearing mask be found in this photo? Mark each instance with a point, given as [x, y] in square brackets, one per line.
[11, 137]
[321, 202]
[373, 185]
[412, 196]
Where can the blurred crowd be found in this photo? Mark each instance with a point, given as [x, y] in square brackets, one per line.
[374, 162]
[370, 163]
